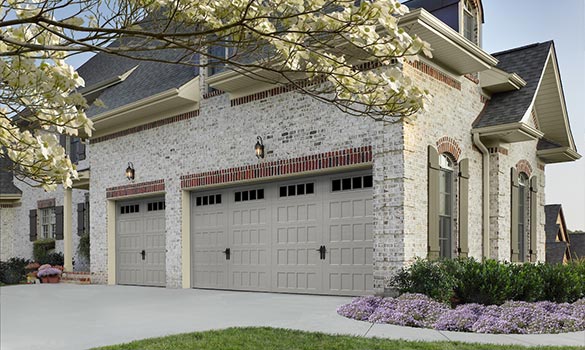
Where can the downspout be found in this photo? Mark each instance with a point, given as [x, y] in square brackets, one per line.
[486, 194]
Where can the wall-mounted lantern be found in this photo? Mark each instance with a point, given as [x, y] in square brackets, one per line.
[259, 148]
[130, 171]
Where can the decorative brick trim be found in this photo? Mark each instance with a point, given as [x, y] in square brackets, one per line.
[541, 166]
[448, 145]
[483, 99]
[440, 76]
[138, 188]
[494, 150]
[523, 166]
[472, 77]
[320, 161]
[148, 126]
[275, 91]
[10, 205]
[211, 94]
[46, 203]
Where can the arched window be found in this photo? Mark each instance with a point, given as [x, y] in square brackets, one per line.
[523, 214]
[446, 205]
[470, 22]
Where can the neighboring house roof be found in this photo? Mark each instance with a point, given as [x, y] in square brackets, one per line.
[509, 107]
[577, 245]
[144, 78]
[7, 186]
[557, 244]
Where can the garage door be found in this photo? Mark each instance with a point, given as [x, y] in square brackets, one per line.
[140, 242]
[310, 235]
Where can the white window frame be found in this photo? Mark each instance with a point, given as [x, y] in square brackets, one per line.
[47, 222]
[447, 168]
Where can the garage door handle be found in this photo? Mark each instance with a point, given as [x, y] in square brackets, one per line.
[322, 250]
[227, 253]
[143, 253]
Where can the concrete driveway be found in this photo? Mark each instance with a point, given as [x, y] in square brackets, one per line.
[64, 316]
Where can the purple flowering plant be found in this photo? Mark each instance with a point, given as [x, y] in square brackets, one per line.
[49, 271]
[417, 310]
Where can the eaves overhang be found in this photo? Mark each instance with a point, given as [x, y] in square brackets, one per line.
[508, 133]
[147, 110]
[558, 155]
[496, 80]
[450, 49]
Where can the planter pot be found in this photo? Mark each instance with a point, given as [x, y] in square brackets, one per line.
[51, 279]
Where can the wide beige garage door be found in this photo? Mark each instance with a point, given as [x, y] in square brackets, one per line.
[140, 242]
[310, 235]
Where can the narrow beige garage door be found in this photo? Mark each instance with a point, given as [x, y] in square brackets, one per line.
[140, 242]
[310, 235]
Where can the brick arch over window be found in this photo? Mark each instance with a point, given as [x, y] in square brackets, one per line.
[523, 166]
[449, 145]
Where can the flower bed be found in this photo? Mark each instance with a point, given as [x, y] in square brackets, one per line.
[518, 317]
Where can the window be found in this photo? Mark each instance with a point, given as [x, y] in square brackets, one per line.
[523, 198]
[211, 199]
[352, 183]
[156, 206]
[130, 209]
[446, 200]
[251, 195]
[470, 22]
[297, 190]
[48, 222]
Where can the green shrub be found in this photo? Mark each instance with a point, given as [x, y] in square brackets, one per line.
[12, 271]
[425, 277]
[83, 247]
[52, 259]
[42, 247]
[490, 282]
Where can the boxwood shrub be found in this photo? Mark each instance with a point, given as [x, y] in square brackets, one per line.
[12, 271]
[490, 282]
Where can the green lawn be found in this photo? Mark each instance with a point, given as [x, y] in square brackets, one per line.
[283, 339]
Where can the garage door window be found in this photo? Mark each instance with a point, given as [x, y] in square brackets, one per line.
[297, 190]
[351, 183]
[208, 200]
[128, 209]
[155, 206]
[251, 195]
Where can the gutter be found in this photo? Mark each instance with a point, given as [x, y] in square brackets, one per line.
[486, 194]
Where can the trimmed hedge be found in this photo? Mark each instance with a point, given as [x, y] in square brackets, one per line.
[41, 248]
[490, 282]
[13, 271]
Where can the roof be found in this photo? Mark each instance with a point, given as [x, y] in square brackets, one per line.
[544, 143]
[577, 244]
[148, 79]
[509, 107]
[555, 252]
[7, 179]
[551, 228]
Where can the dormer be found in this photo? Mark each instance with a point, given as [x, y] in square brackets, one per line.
[463, 16]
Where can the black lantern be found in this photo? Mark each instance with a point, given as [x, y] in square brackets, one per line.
[259, 148]
[130, 171]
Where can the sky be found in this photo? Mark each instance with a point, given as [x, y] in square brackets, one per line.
[513, 23]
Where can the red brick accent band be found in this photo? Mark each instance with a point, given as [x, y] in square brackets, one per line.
[10, 205]
[500, 150]
[275, 91]
[212, 94]
[440, 76]
[523, 166]
[472, 77]
[138, 188]
[448, 145]
[156, 124]
[46, 203]
[320, 161]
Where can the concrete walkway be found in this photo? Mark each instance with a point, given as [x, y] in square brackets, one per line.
[65, 316]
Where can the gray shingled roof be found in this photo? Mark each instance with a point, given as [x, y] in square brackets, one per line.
[577, 245]
[551, 212]
[546, 144]
[7, 179]
[510, 107]
[149, 79]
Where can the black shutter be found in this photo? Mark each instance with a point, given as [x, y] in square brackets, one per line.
[32, 215]
[59, 223]
[533, 217]
[73, 150]
[80, 218]
[464, 208]
[63, 140]
[80, 150]
[514, 194]
[433, 209]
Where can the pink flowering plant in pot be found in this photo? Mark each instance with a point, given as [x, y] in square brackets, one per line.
[49, 274]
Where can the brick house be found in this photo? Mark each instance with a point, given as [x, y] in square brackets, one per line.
[336, 203]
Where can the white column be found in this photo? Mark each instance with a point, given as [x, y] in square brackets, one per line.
[68, 230]
[111, 236]
[186, 238]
